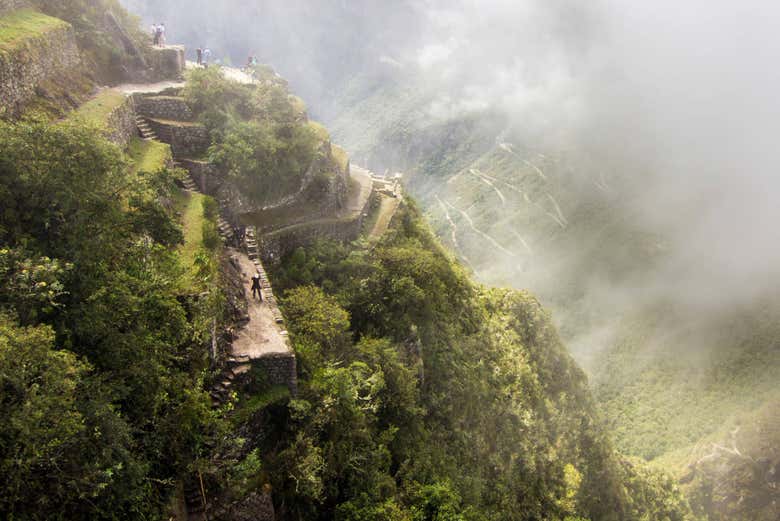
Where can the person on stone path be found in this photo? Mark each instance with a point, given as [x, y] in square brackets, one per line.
[162, 34]
[200, 56]
[206, 56]
[156, 34]
[256, 288]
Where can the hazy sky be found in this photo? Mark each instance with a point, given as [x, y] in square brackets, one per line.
[680, 98]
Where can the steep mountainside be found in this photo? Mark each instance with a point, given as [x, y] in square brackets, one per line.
[672, 376]
[147, 372]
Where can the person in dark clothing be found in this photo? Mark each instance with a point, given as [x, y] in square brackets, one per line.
[256, 288]
[200, 56]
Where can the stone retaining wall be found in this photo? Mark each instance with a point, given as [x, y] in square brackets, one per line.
[121, 126]
[6, 6]
[164, 107]
[277, 244]
[281, 369]
[186, 140]
[39, 59]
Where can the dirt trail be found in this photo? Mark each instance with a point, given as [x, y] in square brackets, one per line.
[525, 244]
[453, 226]
[490, 239]
[262, 336]
[560, 219]
[486, 179]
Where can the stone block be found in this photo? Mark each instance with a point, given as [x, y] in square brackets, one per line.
[167, 63]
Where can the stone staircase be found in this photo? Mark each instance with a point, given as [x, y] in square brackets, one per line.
[220, 392]
[253, 251]
[147, 134]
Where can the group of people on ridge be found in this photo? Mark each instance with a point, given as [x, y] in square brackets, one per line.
[158, 34]
[203, 56]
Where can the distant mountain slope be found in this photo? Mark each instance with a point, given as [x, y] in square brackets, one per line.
[671, 375]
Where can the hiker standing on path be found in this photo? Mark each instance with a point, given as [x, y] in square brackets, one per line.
[155, 34]
[162, 34]
[206, 56]
[200, 56]
[256, 288]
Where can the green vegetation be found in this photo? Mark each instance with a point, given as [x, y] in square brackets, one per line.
[101, 357]
[148, 156]
[97, 111]
[201, 239]
[21, 25]
[341, 157]
[109, 37]
[670, 380]
[259, 139]
[422, 396]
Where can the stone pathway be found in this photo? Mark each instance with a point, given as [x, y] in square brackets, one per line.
[263, 335]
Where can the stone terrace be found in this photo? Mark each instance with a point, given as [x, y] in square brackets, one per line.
[34, 48]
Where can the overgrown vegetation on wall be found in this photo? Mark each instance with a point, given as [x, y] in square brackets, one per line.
[263, 140]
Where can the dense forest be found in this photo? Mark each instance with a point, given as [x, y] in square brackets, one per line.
[422, 395]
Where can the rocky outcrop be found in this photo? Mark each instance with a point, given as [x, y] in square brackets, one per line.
[166, 63]
[36, 60]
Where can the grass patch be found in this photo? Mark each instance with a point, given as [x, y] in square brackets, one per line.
[97, 110]
[18, 26]
[341, 157]
[193, 219]
[148, 156]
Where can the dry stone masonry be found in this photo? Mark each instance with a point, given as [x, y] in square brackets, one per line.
[187, 140]
[171, 108]
[40, 58]
[121, 124]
